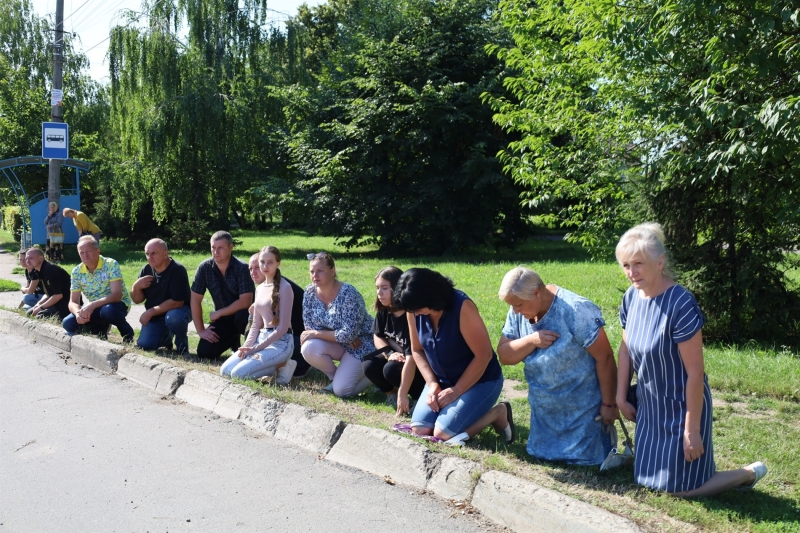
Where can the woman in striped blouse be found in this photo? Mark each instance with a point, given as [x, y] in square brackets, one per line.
[662, 342]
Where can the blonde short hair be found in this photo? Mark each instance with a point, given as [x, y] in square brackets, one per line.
[645, 238]
[52, 204]
[88, 238]
[521, 282]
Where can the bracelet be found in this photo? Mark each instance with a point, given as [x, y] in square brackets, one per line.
[611, 405]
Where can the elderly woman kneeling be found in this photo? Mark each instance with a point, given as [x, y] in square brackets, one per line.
[569, 367]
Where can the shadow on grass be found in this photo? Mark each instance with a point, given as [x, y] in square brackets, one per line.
[781, 513]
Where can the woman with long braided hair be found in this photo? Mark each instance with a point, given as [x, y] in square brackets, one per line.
[269, 344]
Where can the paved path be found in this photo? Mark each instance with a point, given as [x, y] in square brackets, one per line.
[83, 451]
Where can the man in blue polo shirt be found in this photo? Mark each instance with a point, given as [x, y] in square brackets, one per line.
[163, 286]
[106, 300]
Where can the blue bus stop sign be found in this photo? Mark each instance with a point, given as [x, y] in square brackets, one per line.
[55, 140]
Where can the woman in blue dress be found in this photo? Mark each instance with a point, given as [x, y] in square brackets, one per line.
[569, 367]
[452, 351]
[662, 342]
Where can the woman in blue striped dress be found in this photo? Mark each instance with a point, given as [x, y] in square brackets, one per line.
[662, 342]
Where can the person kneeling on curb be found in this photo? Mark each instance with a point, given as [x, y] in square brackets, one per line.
[269, 343]
[55, 281]
[228, 280]
[452, 350]
[100, 280]
[163, 286]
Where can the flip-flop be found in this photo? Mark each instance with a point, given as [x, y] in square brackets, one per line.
[510, 415]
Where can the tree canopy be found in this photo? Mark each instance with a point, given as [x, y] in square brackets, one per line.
[683, 112]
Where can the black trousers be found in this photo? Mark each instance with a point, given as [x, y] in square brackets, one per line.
[229, 330]
[387, 375]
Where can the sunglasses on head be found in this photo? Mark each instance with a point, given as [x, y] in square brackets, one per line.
[318, 255]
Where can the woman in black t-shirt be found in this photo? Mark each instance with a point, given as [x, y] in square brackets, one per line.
[395, 373]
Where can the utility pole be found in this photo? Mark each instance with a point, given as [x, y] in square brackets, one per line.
[57, 114]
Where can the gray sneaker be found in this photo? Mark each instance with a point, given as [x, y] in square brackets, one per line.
[286, 372]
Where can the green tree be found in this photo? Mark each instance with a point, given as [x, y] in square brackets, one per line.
[396, 147]
[684, 112]
[191, 121]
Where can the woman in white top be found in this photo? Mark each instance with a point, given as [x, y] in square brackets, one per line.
[269, 344]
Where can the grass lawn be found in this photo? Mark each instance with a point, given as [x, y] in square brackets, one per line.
[756, 388]
[8, 285]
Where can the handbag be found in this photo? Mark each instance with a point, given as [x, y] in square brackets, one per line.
[56, 238]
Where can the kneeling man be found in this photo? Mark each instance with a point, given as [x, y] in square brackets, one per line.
[107, 301]
[55, 282]
[163, 286]
[228, 280]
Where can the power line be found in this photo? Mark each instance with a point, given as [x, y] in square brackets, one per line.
[79, 8]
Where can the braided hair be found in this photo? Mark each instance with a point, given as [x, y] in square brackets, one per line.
[276, 282]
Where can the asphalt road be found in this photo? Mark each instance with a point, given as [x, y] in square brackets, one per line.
[83, 451]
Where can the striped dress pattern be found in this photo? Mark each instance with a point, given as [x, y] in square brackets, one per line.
[653, 329]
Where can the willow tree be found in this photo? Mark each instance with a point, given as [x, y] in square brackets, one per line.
[189, 117]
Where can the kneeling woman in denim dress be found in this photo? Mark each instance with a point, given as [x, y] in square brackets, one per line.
[452, 350]
[569, 367]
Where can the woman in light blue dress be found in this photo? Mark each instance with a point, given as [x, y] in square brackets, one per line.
[569, 367]
[662, 342]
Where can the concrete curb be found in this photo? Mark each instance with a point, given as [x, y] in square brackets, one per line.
[14, 324]
[308, 429]
[455, 479]
[49, 334]
[164, 379]
[262, 414]
[382, 453]
[201, 389]
[100, 355]
[526, 507]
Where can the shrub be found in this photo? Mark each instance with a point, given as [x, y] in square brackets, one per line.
[12, 221]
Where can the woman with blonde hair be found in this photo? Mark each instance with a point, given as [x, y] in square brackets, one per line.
[662, 342]
[338, 328]
[569, 367]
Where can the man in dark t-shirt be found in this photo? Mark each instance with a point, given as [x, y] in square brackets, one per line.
[228, 280]
[163, 286]
[32, 292]
[54, 280]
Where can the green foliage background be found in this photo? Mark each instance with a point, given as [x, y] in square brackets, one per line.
[425, 127]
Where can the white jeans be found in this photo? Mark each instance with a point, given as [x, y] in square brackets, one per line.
[348, 379]
[260, 363]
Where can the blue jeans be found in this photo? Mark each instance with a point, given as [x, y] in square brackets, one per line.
[160, 329]
[462, 413]
[29, 300]
[109, 314]
[260, 363]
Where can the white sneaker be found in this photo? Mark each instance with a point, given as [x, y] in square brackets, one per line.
[286, 372]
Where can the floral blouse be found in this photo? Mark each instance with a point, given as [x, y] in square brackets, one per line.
[347, 317]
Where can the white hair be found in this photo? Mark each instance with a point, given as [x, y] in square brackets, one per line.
[88, 238]
[520, 281]
[645, 238]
